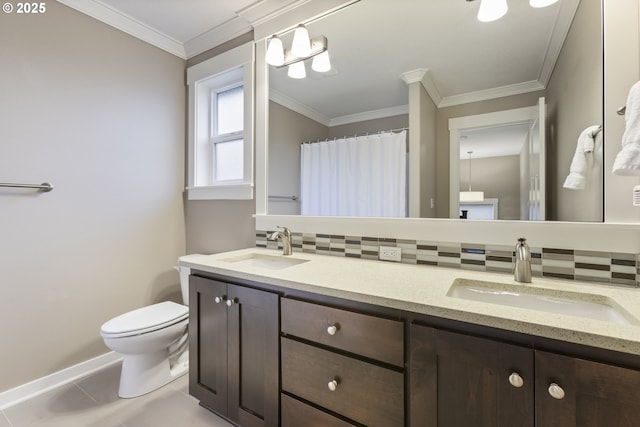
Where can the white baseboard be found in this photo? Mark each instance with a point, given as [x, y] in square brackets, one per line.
[41, 385]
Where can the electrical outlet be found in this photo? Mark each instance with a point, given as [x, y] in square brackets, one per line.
[388, 253]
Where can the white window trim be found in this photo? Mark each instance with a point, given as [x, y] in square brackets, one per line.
[239, 58]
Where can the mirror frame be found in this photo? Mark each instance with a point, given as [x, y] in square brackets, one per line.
[575, 235]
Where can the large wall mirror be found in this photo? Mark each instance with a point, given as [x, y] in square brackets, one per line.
[468, 68]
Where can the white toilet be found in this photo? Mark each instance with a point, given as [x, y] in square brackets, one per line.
[153, 342]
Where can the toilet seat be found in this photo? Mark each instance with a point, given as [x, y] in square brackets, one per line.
[145, 319]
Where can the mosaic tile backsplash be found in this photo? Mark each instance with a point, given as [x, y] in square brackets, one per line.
[591, 266]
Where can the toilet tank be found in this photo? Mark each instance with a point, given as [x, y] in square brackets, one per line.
[184, 280]
[184, 283]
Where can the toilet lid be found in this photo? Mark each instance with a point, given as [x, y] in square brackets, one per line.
[146, 319]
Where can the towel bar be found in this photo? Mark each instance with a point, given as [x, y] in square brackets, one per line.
[284, 197]
[622, 110]
[45, 187]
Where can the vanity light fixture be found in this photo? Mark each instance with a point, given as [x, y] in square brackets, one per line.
[278, 56]
[321, 63]
[301, 45]
[297, 70]
[541, 3]
[471, 196]
[275, 52]
[492, 10]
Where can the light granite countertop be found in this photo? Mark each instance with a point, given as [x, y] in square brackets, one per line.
[423, 289]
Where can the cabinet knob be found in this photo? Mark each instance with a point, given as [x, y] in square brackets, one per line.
[331, 330]
[232, 301]
[333, 384]
[556, 391]
[218, 300]
[516, 380]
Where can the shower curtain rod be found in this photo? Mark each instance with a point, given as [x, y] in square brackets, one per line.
[356, 135]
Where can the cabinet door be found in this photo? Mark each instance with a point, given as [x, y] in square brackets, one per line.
[253, 357]
[587, 394]
[459, 381]
[208, 343]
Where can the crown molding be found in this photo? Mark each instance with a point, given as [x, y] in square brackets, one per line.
[568, 9]
[423, 75]
[370, 115]
[298, 107]
[127, 24]
[245, 20]
[216, 36]
[497, 92]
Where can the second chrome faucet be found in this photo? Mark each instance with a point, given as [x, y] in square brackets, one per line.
[522, 269]
[285, 236]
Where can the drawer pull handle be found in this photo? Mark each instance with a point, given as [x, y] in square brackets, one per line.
[333, 385]
[516, 380]
[556, 391]
[232, 301]
[218, 300]
[331, 330]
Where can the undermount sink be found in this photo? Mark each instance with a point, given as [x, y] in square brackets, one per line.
[596, 307]
[272, 262]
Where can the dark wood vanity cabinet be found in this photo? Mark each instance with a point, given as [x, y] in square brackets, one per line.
[587, 393]
[340, 368]
[234, 351]
[459, 380]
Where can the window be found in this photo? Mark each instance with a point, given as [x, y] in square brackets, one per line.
[221, 126]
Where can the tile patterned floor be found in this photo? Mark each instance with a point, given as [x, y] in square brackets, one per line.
[93, 402]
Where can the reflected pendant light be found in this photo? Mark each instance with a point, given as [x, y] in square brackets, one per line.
[541, 3]
[321, 63]
[490, 10]
[297, 70]
[275, 52]
[301, 45]
[471, 196]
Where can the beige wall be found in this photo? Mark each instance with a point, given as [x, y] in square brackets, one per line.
[287, 130]
[100, 115]
[574, 98]
[428, 146]
[442, 150]
[214, 226]
[499, 178]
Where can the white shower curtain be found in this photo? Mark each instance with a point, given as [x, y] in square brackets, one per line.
[359, 176]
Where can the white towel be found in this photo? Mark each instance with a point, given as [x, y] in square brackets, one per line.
[577, 178]
[628, 159]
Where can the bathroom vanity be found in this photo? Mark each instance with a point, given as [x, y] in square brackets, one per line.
[323, 341]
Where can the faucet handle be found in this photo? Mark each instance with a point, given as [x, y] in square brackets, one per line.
[285, 230]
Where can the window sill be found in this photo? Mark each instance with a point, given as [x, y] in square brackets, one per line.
[221, 192]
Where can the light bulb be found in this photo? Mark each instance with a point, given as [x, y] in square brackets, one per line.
[321, 63]
[275, 52]
[297, 70]
[490, 10]
[301, 45]
[541, 3]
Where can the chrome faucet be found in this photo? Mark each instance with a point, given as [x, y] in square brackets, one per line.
[522, 270]
[285, 236]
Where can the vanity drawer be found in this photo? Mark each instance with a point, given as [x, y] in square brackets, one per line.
[296, 414]
[369, 336]
[363, 392]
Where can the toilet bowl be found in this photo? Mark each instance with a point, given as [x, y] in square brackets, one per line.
[153, 342]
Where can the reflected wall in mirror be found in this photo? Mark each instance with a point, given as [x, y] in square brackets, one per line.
[467, 68]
